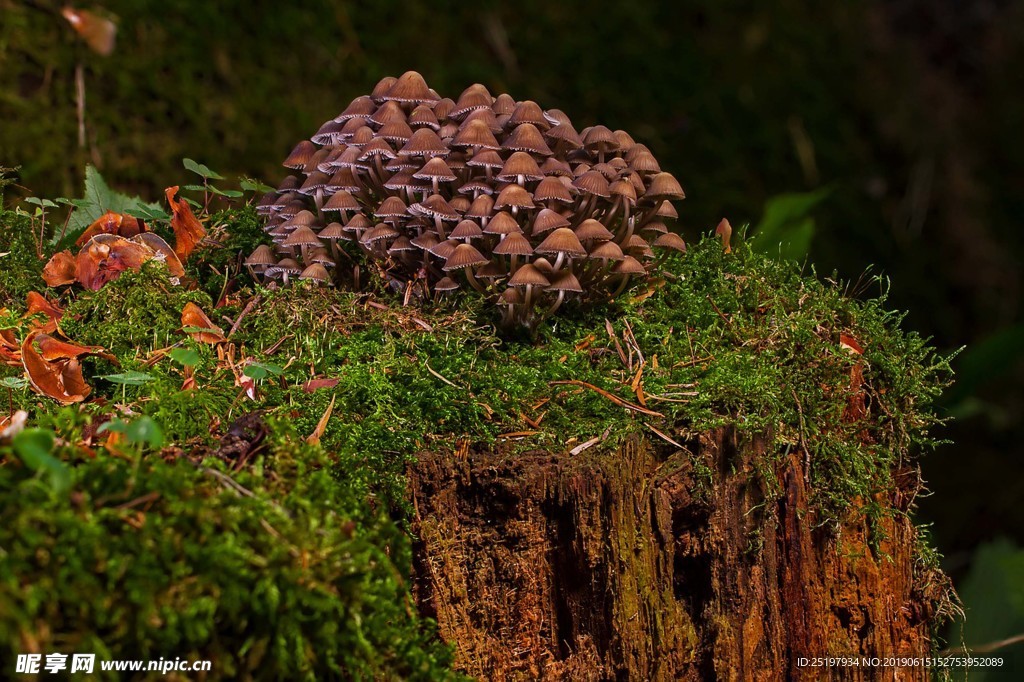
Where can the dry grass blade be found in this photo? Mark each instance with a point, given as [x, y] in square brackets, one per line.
[321, 426]
[614, 398]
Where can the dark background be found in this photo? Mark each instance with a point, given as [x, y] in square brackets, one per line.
[909, 113]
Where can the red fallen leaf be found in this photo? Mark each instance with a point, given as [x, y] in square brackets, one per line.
[112, 223]
[106, 256]
[55, 349]
[848, 343]
[158, 246]
[61, 269]
[316, 384]
[187, 228]
[193, 316]
[37, 303]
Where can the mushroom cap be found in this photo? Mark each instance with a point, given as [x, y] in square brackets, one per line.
[410, 87]
[547, 220]
[503, 104]
[360, 107]
[392, 207]
[608, 250]
[435, 168]
[444, 249]
[513, 196]
[530, 112]
[423, 116]
[565, 134]
[664, 186]
[654, 226]
[562, 240]
[317, 273]
[466, 229]
[551, 189]
[565, 281]
[520, 164]
[502, 223]
[342, 200]
[527, 138]
[474, 97]
[300, 155]
[332, 231]
[475, 133]
[426, 241]
[514, 244]
[592, 229]
[397, 132]
[261, 258]
[511, 296]
[435, 206]
[302, 236]
[629, 266]
[443, 108]
[592, 182]
[667, 210]
[482, 207]
[446, 284]
[464, 256]
[528, 275]
[424, 142]
[671, 240]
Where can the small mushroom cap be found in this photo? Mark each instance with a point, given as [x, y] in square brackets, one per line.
[474, 97]
[528, 275]
[302, 236]
[664, 186]
[443, 108]
[654, 226]
[482, 207]
[466, 229]
[332, 231]
[565, 281]
[360, 107]
[435, 206]
[527, 138]
[321, 256]
[511, 296]
[341, 201]
[520, 164]
[300, 155]
[552, 189]
[410, 87]
[548, 220]
[424, 142]
[378, 146]
[379, 233]
[513, 196]
[592, 182]
[464, 256]
[562, 240]
[423, 116]
[503, 104]
[530, 112]
[392, 207]
[401, 244]
[486, 159]
[397, 132]
[600, 138]
[625, 189]
[514, 244]
[317, 273]
[629, 266]
[475, 133]
[261, 258]
[435, 168]
[607, 251]
[490, 270]
[502, 223]
[671, 240]
[556, 167]
[667, 210]
[444, 249]
[446, 284]
[383, 85]
[565, 134]
[288, 265]
[426, 241]
[592, 229]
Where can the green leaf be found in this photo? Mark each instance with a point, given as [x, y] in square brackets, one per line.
[194, 188]
[16, 383]
[787, 228]
[185, 356]
[147, 213]
[261, 370]
[129, 378]
[251, 185]
[201, 170]
[45, 203]
[145, 431]
[233, 193]
[33, 447]
[99, 199]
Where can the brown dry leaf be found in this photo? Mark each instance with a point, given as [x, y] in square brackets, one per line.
[157, 245]
[60, 379]
[37, 303]
[61, 269]
[316, 384]
[187, 228]
[193, 316]
[106, 256]
[112, 223]
[321, 426]
[10, 349]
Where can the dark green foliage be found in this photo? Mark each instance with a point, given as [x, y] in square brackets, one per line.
[289, 576]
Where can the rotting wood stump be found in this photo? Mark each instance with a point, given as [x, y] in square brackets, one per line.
[631, 565]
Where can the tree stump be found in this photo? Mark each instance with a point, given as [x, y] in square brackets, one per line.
[646, 562]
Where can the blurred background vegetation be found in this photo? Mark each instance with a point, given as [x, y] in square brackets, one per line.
[885, 131]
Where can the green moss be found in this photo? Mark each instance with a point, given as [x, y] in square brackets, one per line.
[20, 266]
[290, 575]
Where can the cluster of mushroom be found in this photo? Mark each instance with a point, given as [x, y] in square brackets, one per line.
[483, 193]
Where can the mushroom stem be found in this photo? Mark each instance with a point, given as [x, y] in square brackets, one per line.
[473, 281]
[550, 311]
[440, 227]
[621, 287]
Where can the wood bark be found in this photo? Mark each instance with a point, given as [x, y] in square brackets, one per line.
[635, 564]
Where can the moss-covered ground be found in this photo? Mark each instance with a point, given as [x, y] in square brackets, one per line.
[294, 562]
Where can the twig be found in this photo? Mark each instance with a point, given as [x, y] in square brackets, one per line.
[245, 311]
[431, 370]
[984, 648]
[583, 446]
[228, 482]
[717, 310]
[663, 436]
[614, 398]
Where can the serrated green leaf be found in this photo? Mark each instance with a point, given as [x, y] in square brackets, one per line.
[99, 199]
[193, 188]
[201, 170]
[130, 378]
[184, 356]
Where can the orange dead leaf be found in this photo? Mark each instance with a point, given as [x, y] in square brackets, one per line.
[187, 228]
[106, 256]
[37, 303]
[321, 426]
[61, 379]
[112, 223]
[61, 269]
[207, 332]
[158, 246]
